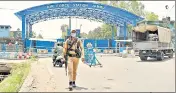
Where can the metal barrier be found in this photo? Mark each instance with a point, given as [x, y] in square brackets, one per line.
[109, 50]
[41, 51]
[115, 51]
[11, 48]
[16, 51]
[106, 50]
[14, 55]
[90, 57]
[10, 51]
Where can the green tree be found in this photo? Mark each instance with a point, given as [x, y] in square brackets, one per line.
[40, 36]
[103, 32]
[84, 35]
[34, 34]
[97, 33]
[64, 30]
[102, 2]
[114, 3]
[134, 7]
[150, 16]
[90, 35]
[106, 31]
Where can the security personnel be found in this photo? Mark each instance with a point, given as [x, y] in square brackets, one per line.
[71, 44]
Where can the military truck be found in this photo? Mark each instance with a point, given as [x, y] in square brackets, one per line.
[152, 41]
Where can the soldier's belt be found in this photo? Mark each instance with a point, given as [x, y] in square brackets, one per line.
[72, 55]
[71, 49]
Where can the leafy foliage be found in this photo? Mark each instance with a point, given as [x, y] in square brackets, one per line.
[135, 7]
[150, 16]
[15, 80]
[64, 30]
[40, 36]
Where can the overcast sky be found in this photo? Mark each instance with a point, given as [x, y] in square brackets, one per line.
[51, 29]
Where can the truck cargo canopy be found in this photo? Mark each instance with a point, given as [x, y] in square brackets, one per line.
[164, 34]
[144, 28]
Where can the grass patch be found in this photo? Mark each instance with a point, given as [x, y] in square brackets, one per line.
[15, 80]
[33, 58]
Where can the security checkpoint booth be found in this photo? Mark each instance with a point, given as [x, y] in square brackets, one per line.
[123, 49]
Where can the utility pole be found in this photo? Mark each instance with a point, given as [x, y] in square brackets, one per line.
[80, 27]
[69, 24]
[166, 20]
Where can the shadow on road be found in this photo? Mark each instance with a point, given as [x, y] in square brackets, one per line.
[110, 79]
[155, 60]
[80, 88]
[59, 67]
[107, 88]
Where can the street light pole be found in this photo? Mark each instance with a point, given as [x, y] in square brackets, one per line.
[80, 30]
[69, 24]
[80, 27]
[76, 23]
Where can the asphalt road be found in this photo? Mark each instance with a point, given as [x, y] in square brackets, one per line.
[116, 75]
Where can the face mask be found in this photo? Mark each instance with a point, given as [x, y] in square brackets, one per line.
[73, 34]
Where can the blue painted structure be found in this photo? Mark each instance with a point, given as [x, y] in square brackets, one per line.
[95, 43]
[77, 32]
[40, 44]
[5, 30]
[60, 40]
[86, 10]
[89, 56]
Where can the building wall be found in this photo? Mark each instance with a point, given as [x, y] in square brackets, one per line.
[4, 32]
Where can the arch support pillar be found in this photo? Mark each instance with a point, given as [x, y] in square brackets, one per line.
[23, 28]
[112, 31]
[134, 23]
[27, 29]
[30, 31]
[121, 32]
[24, 32]
[125, 31]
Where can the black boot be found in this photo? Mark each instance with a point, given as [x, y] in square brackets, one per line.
[73, 84]
[70, 86]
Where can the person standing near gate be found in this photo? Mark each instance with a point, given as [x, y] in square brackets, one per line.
[74, 49]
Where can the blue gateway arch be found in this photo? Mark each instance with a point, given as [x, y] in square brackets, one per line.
[86, 10]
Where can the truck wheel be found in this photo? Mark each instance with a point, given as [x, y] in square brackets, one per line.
[160, 56]
[143, 58]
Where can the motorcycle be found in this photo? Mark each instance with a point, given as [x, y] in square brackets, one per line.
[58, 61]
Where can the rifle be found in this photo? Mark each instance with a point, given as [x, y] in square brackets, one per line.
[66, 59]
